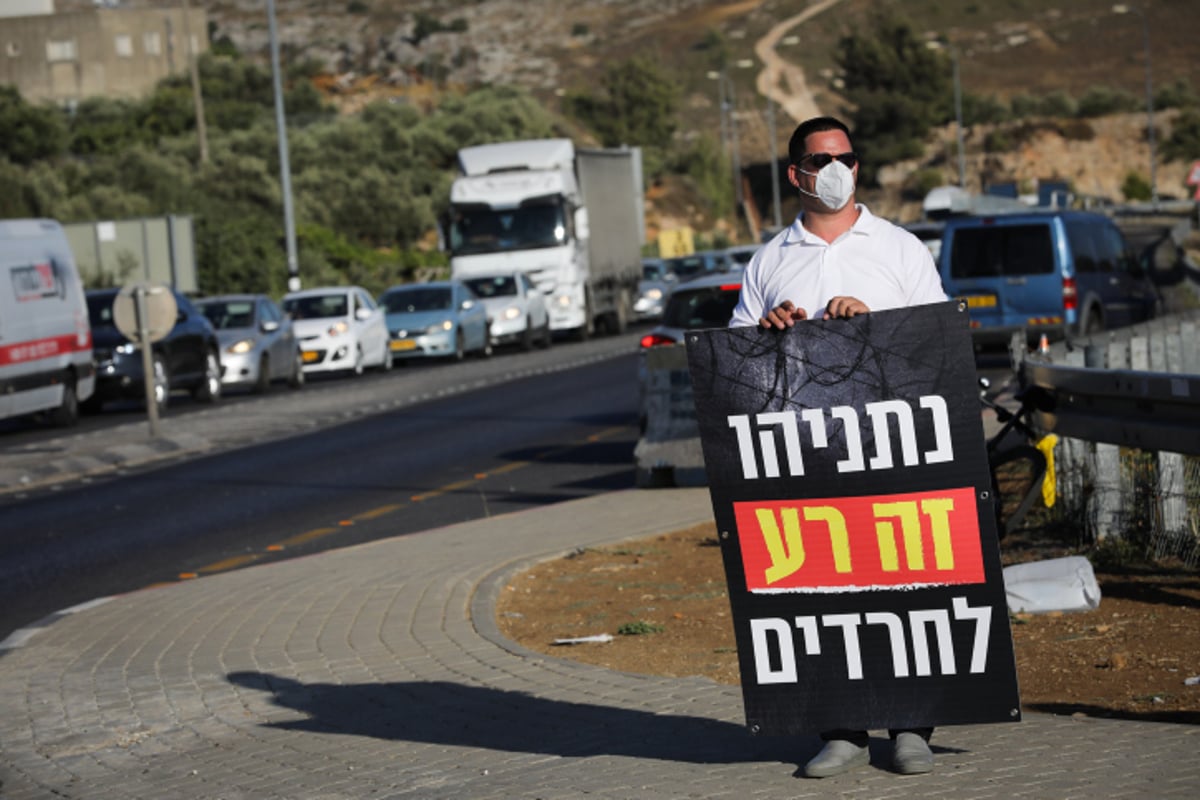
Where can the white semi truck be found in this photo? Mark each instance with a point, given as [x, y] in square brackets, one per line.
[571, 219]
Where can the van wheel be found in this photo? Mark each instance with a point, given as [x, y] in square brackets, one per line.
[1094, 323]
[67, 413]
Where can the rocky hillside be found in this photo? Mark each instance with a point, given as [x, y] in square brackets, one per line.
[418, 48]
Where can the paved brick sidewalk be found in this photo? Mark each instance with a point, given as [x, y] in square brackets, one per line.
[377, 672]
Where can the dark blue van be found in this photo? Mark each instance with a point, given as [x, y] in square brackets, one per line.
[1058, 273]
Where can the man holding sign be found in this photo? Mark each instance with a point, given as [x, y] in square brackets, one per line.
[837, 261]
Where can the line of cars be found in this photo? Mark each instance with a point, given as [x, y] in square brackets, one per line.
[661, 275]
[247, 341]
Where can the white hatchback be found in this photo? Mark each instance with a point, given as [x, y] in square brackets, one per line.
[516, 309]
[339, 328]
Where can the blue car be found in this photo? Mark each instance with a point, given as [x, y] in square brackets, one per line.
[440, 319]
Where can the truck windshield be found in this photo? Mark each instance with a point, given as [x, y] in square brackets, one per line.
[479, 229]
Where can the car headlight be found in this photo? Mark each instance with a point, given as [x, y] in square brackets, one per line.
[243, 346]
[512, 312]
[448, 325]
[338, 329]
[563, 300]
[126, 349]
[652, 294]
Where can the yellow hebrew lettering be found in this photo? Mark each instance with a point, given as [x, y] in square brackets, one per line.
[938, 510]
[910, 531]
[839, 537]
[889, 560]
[786, 549]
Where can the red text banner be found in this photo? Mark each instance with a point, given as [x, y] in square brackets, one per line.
[861, 543]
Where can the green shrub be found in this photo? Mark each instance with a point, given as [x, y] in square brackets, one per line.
[1135, 187]
[998, 141]
[1078, 130]
[639, 628]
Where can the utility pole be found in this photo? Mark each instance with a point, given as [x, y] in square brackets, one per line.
[1122, 8]
[197, 95]
[774, 163]
[962, 159]
[285, 170]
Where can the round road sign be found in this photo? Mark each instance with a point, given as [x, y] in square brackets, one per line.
[158, 306]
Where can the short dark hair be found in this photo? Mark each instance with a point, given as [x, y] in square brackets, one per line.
[807, 128]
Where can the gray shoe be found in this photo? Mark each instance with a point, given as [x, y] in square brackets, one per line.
[911, 754]
[836, 757]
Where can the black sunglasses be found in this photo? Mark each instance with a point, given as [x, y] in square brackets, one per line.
[821, 160]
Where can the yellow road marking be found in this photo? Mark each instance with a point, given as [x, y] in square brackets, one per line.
[378, 512]
[375, 513]
[308, 536]
[230, 563]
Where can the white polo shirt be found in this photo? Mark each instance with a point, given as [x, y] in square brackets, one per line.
[877, 262]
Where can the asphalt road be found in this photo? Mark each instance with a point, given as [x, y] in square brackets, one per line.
[550, 435]
[336, 463]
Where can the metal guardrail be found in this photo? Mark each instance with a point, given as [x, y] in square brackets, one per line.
[1126, 405]
[1136, 387]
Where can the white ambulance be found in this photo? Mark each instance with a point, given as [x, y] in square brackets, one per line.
[45, 339]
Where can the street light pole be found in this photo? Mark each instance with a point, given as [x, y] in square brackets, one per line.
[1122, 8]
[285, 170]
[958, 117]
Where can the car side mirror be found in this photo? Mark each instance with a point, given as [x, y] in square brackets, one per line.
[467, 305]
[363, 313]
[269, 326]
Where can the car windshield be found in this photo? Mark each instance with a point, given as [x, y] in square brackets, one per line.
[688, 266]
[480, 229]
[499, 286]
[100, 309]
[404, 301]
[231, 314]
[317, 306]
[711, 307]
[654, 271]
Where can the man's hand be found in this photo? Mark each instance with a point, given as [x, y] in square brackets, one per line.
[785, 315]
[844, 308]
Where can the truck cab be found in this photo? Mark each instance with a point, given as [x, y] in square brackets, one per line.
[522, 206]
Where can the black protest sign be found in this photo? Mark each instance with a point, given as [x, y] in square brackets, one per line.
[851, 491]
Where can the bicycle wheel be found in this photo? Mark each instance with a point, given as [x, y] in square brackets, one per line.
[1017, 475]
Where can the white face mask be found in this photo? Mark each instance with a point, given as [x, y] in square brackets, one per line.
[835, 185]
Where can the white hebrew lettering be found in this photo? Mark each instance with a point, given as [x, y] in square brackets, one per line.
[751, 448]
[791, 441]
[854, 460]
[944, 447]
[812, 640]
[941, 623]
[849, 624]
[815, 418]
[760, 632]
[895, 629]
[983, 624]
[878, 412]
[745, 440]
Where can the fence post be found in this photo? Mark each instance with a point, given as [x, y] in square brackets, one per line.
[1106, 500]
[1172, 496]
[1072, 459]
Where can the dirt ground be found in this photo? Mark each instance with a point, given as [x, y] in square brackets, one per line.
[664, 602]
